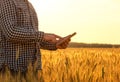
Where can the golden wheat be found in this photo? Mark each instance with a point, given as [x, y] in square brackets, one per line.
[76, 65]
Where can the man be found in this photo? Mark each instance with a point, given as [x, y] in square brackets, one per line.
[20, 40]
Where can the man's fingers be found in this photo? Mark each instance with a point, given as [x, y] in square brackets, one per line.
[52, 38]
[63, 45]
[58, 37]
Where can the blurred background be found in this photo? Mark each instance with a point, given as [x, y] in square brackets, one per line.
[95, 21]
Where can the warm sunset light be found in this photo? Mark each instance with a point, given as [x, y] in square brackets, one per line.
[95, 21]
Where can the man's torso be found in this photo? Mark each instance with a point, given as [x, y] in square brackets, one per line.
[18, 55]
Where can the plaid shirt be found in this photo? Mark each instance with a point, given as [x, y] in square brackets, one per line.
[20, 40]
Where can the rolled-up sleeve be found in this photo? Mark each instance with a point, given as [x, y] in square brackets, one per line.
[9, 27]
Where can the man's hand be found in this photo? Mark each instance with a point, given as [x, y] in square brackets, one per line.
[53, 38]
[63, 43]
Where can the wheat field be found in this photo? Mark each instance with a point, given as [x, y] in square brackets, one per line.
[76, 65]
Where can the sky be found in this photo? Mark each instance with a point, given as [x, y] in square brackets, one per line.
[95, 21]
